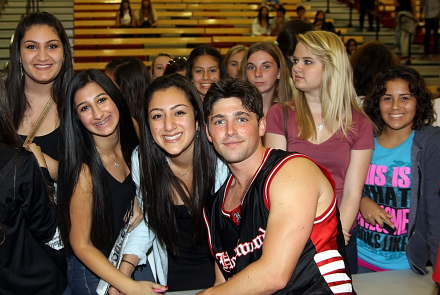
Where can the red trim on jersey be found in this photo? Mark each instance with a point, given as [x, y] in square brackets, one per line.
[208, 227]
[226, 213]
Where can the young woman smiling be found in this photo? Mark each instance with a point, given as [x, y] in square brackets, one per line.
[402, 185]
[96, 191]
[176, 170]
[205, 66]
[264, 66]
[325, 122]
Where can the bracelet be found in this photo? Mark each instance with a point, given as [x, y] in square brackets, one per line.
[128, 262]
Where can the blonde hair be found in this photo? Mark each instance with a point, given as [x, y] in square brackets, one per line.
[233, 50]
[337, 93]
[283, 88]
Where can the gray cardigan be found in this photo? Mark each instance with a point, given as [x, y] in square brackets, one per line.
[424, 213]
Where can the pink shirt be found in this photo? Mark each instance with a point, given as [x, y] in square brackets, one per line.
[333, 154]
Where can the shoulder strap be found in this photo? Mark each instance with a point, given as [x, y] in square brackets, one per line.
[40, 120]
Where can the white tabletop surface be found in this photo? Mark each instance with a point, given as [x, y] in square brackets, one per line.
[398, 282]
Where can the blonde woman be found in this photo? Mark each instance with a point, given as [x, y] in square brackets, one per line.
[264, 66]
[233, 59]
[325, 122]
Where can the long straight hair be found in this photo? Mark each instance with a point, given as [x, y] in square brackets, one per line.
[133, 78]
[15, 83]
[260, 16]
[157, 179]
[147, 11]
[338, 97]
[121, 8]
[283, 89]
[77, 148]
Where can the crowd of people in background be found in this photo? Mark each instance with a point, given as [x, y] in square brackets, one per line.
[322, 149]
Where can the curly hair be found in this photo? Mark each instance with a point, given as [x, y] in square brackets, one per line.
[425, 113]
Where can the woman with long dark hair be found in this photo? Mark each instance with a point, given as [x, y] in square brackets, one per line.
[27, 217]
[146, 17]
[40, 68]
[96, 191]
[399, 226]
[261, 24]
[125, 16]
[205, 66]
[176, 170]
[133, 78]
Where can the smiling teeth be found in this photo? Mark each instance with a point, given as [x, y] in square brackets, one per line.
[206, 85]
[42, 66]
[396, 116]
[103, 122]
[173, 137]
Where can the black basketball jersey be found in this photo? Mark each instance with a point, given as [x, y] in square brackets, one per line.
[320, 269]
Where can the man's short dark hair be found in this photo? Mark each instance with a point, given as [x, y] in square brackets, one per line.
[299, 8]
[245, 91]
[282, 9]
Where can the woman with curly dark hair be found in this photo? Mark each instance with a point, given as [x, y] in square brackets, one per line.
[399, 210]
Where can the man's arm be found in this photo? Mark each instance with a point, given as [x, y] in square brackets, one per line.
[298, 189]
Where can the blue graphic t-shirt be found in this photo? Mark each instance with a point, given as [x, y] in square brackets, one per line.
[388, 183]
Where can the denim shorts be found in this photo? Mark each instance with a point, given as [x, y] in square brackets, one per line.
[81, 280]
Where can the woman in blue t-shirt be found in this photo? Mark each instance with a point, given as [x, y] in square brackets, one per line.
[402, 186]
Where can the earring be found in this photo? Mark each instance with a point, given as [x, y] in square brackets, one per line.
[197, 133]
[21, 71]
[154, 141]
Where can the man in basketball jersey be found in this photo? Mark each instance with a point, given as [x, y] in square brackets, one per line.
[273, 226]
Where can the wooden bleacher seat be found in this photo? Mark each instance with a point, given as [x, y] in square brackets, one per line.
[359, 39]
[236, 1]
[253, 14]
[136, 6]
[139, 41]
[223, 31]
[119, 1]
[223, 6]
[112, 22]
[225, 21]
[242, 39]
[80, 66]
[112, 14]
[97, 53]
[137, 31]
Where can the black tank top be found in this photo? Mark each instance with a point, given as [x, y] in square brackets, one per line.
[48, 143]
[121, 195]
[193, 268]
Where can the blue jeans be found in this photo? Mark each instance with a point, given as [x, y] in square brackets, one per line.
[81, 280]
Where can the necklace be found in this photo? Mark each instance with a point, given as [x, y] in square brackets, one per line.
[116, 164]
[319, 126]
[181, 174]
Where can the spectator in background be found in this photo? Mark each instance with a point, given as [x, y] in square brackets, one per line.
[159, 64]
[430, 13]
[277, 22]
[233, 59]
[261, 24]
[146, 17]
[366, 5]
[176, 65]
[205, 66]
[125, 16]
[301, 12]
[321, 24]
[351, 46]
[367, 61]
[110, 68]
[404, 24]
[287, 38]
[133, 79]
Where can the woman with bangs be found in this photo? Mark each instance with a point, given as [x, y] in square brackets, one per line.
[400, 203]
[325, 122]
[264, 66]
